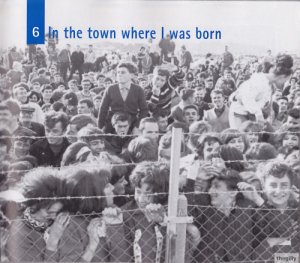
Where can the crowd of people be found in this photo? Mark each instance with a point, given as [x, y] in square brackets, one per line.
[85, 139]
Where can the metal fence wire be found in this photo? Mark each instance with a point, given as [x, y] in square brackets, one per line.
[245, 234]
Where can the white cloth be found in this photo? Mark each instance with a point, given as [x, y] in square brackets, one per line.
[252, 96]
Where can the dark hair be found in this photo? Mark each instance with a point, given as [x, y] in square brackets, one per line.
[11, 106]
[283, 65]
[81, 121]
[186, 93]
[278, 170]
[88, 134]
[216, 92]
[58, 106]
[294, 113]
[156, 175]
[88, 102]
[146, 120]
[142, 149]
[160, 113]
[161, 72]
[42, 182]
[228, 134]
[191, 106]
[35, 93]
[53, 117]
[69, 156]
[230, 177]
[261, 151]
[71, 98]
[232, 157]
[120, 116]
[82, 182]
[129, 66]
[46, 86]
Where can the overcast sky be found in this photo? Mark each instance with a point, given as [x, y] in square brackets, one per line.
[273, 25]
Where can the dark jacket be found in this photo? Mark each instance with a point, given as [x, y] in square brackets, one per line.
[135, 104]
[42, 152]
[112, 248]
[77, 58]
[224, 238]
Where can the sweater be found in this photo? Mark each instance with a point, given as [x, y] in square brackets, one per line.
[135, 104]
[218, 123]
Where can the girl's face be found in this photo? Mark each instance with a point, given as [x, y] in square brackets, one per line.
[237, 143]
[49, 213]
[33, 98]
[252, 138]
[143, 195]
[277, 190]
[290, 141]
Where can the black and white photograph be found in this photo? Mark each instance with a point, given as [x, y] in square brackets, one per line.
[150, 132]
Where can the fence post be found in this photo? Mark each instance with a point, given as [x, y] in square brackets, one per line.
[173, 194]
[181, 230]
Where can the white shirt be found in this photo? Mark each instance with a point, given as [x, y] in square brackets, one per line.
[252, 96]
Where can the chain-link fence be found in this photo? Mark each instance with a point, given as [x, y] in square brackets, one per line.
[242, 233]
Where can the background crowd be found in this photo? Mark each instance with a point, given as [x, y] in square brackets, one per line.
[85, 139]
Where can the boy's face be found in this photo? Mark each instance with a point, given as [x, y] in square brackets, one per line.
[123, 75]
[200, 93]
[217, 100]
[97, 103]
[47, 93]
[191, 116]
[97, 146]
[21, 95]
[83, 108]
[142, 195]
[290, 141]
[54, 134]
[151, 131]
[121, 128]
[292, 122]
[277, 190]
[282, 105]
[162, 123]
[73, 87]
[158, 81]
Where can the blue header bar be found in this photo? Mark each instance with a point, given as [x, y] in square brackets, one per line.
[35, 22]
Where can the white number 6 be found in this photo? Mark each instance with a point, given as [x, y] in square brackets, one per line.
[35, 31]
